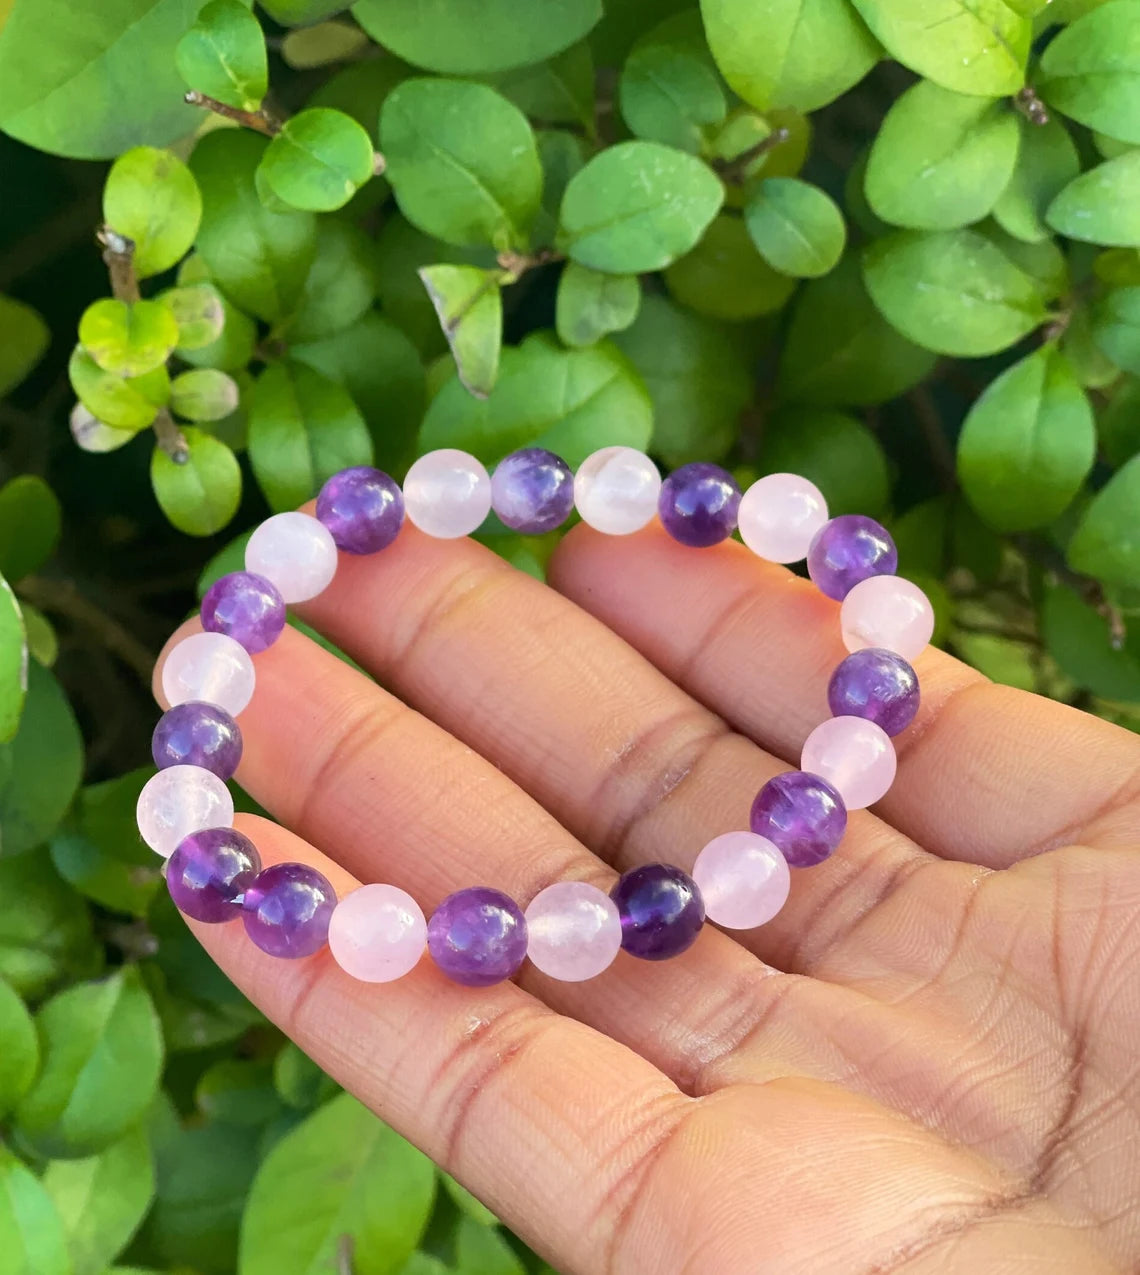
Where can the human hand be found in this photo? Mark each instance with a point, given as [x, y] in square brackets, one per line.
[926, 1063]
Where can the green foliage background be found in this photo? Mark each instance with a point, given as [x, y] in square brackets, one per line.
[893, 246]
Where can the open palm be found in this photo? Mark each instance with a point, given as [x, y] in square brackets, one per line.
[927, 1063]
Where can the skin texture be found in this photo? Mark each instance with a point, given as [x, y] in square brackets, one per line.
[927, 1064]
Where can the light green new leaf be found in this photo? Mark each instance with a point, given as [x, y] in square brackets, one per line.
[24, 338]
[1091, 71]
[636, 207]
[204, 394]
[199, 311]
[1106, 544]
[152, 199]
[128, 338]
[835, 451]
[20, 1057]
[1047, 161]
[201, 495]
[13, 662]
[92, 435]
[30, 520]
[318, 160]
[1028, 444]
[469, 302]
[797, 53]
[590, 305]
[670, 94]
[725, 277]
[223, 55]
[953, 291]
[31, 1233]
[969, 46]
[1102, 206]
[117, 401]
[796, 227]
[462, 161]
[941, 159]
[476, 37]
[340, 1172]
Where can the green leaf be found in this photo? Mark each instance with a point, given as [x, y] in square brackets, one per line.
[835, 451]
[482, 1250]
[590, 305]
[469, 302]
[1028, 443]
[340, 285]
[223, 55]
[300, 1083]
[466, 1202]
[474, 37]
[40, 767]
[1119, 424]
[462, 161]
[59, 59]
[201, 495]
[797, 228]
[128, 339]
[670, 94]
[840, 350]
[102, 1052]
[318, 160]
[238, 1091]
[258, 258]
[570, 401]
[1047, 161]
[298, 13]
[560, 91]
[1091, 366]
[1116, 327]
[637, 206]
[122, 403]
[941, 159]
[13, 662]
[1043, 262]
[969, 46]
[152, 199]
[102, 1200]
[359, 89]
[1077, 636]
[31, 1233]
[45, 927]
[232, 351]
[725, 277]
[562, 155]
[1106, 544]
[199, 311]
[1091, 71]
[323, 45]
[20, 1057]
[401, 250]
[92, 435]
[1103, 205]
[24, 339]
[341, 1172]
[30, 518]
[303, 428]
[798, 53]
[43, 643]
[952, 291]
[203, 394]
[699, 377]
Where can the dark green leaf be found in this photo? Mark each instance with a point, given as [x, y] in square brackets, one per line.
[562, 155]
[1106, 544]
[340, 285]
[469, 302]
[24, 338]
[45, 927]
[1047, 161]
[13, 662]
[31, 1233]
[152, 199]
[401, 251]
[20, 1057]
[466, 1202]
[1077, 637]
[123, 404]
[223, 55]
[725, 277]
[1091, 71]
[835, 451]
[1044, 262]
[318, 160]
[201, 494]
[128, 339]
[1092, 367]
[359, 89]
[30, 518]
[590, 305]
[560, 91]
[1103, 205]
[672, 95]
[482, 1250]
[1116, 327]
[1120, 424]
[238, 1091]
[797, 228]
[300, 1083]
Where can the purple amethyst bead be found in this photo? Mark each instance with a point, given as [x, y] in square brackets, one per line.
[246, 607]
[477, 936]
[532, 491]
[698, 504]
[286, 910]
[197, 734]
[362, 508]
[877, 685]
[802, 815]
[661, 911]
[210, 871]
[847, 550]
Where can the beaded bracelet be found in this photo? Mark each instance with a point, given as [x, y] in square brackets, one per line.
[571, 930]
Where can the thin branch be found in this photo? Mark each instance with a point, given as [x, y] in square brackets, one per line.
[170, 438]
[261, 120]
[119, 258]
[931, 424]
[1090, 590]
[516, 264]
[736, 169]
[345, 1252]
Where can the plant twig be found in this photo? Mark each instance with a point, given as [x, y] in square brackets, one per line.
[736, 169]
[931, 424]
[345, 1251]
[170, 438]
[119, 258]
[516, 264]
[260, 120]
[1086, 588]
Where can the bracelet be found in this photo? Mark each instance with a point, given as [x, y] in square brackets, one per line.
[571, 930]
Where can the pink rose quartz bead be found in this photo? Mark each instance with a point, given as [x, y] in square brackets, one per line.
[447, 494]
[377, 933]
[178, 801]
[887, 612]
[295, 552]
[211, 667]
[855, 756]
[779, 516]
[574, 931]
[743, 879]
[617, 490]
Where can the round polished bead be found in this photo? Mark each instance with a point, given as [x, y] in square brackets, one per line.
[197, 734]
[363, 509]
[209, 667]
[743, 879]
[802, 815]
[477, 936]
[616, 490]
[532, 491]
[178, 801]
[447, 493]
[286, 910]
[574, 931]
[888, 612]
[377, 933]
[661, 911]
[209, 872]
[847, 550]
[780, 515]
[294, 551]
[246, 607]
[878, 685]
[698, 504]
[854, 756]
